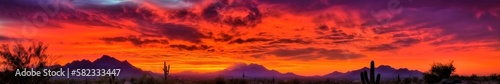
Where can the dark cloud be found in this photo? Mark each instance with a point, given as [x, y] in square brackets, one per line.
[382, 47]
[175, 4]
[464, 20]
[184, 15]
[336, 35]
[18, 9]
[213, 13]
[89, 13]
[314, 53]
[175, 32]
[337, 54]
[4, 38]
[315, 5]
[63, 10]
[251, 19]
[224, 37]
[467, 48]
[190, 48]
[390, 29]
[447, 4]
[298, 6]
[137, 41]
[29, 10]
[252, 51]
[456, 22]
[462, 24]
[97, 2]
[400, 35]
[94, 13]
[249, 40]
[112, 14]
[399, 43]
[406, 42]
[148, 20]
[298, 41]
[323, 28]
[292, 52]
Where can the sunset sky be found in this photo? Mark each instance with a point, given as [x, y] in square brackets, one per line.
[306, 37]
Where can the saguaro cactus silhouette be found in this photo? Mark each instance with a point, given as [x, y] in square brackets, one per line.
[273, 81]
[111, 80]
[364, 76]
[166, 70]
[243, 75]
[399, 79]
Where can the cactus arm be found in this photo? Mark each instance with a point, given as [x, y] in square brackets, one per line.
[372, 79]
[378, 79]
[362, 75]
[372, 72]
[366, 77]
[166, 70]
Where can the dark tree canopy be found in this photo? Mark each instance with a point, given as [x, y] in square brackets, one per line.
[20, 57]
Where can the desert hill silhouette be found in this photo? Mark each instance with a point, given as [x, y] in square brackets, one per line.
[251, 70]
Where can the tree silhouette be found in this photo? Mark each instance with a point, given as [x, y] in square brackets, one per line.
[20, 57]
[438, 72]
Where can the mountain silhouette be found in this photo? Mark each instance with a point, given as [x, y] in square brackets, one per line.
[258, 71]
[107, 62]
[387, 72]
[253, 71]
[237, 70]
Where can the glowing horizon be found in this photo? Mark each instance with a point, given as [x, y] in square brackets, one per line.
[304, 37]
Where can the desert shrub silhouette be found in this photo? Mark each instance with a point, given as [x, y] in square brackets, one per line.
[372, 80]
[147, 79]
[20, 57]
[220, 80]
[438, 72]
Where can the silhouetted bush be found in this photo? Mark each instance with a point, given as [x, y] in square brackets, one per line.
[220, 80]
[146, 79]
[438, 72]
[20, 57]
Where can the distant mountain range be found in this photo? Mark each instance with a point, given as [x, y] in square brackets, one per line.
[237, 71]
[234, 71]
[386, 72]
[108, 62]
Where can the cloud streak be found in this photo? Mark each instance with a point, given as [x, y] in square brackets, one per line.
[137, 41]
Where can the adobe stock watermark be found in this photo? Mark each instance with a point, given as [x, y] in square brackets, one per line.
[382, 17]
[40, 18]
[30, 26]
